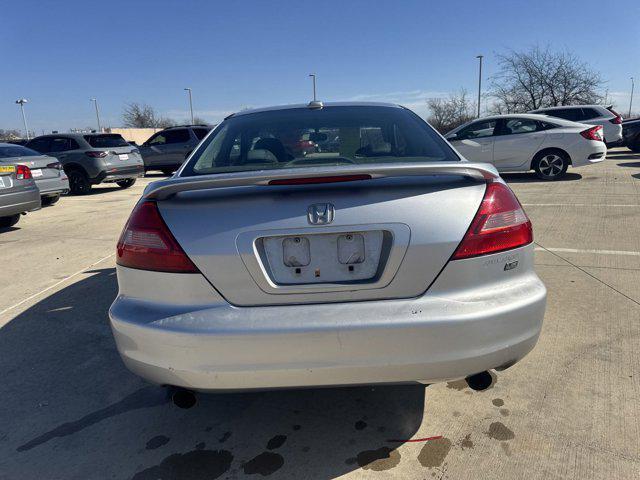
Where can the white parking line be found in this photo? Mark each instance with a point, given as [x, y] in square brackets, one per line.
[597, 252]
[31, 297]
[579, 205]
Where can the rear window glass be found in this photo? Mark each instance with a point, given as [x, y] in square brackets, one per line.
[106, 141]
[17, 151]
[303, 137]
[200, 132]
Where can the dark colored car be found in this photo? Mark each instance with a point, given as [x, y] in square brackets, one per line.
[631, 134]
[166, 150]
[92, 158]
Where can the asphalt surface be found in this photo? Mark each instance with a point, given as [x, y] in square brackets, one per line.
[569, 410]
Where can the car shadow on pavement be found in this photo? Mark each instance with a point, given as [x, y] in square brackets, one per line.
[71, 409]
[630, 164]
[531, 177]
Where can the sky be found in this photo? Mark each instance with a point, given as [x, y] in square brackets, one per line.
[239, 54]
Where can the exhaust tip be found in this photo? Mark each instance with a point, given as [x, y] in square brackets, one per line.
[480, 381]
[184, 398]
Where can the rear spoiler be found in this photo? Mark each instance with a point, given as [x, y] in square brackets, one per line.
[163, 189]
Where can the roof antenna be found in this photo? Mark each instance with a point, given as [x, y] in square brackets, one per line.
[314, 104]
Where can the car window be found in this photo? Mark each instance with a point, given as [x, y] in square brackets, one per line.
[301, 137]
[545, 125]
[39, 144]
[180, 135]
[59, 144]
[477, 130]
[17, 151]
[514, 126]
[589, 113]
[106, 141]
[566, 113]
[200, 132]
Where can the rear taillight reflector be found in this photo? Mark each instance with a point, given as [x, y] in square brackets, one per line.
[312, 180]
[500, 224]
[147, 244]
[23, 172]
[593, 133]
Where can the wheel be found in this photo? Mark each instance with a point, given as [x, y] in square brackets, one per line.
[46, 201]
[126, 183]
[168, 171]
[6, 222]
[551, 165]
[78, 182]
[635, 146]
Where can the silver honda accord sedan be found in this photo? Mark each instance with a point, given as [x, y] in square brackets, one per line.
[377, 255]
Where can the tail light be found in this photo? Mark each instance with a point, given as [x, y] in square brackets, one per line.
[55, 165]
[593, 133]
[23, 172]
[617, 120]
[147, 244]
[95, 154]
[314, 180]
[500, 224]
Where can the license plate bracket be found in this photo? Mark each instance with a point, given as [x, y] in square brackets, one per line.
[344, 257]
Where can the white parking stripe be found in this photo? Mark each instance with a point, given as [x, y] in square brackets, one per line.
[579, 205]
[2, 324]
[597, 252]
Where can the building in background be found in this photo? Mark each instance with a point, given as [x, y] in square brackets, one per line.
[138, 135]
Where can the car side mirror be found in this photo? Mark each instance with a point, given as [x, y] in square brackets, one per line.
[451, 136]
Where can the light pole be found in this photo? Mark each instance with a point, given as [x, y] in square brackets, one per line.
[313, 75]
[95, 104]
[631, 99]
[21, 102]
[479, 57]
[190, 104]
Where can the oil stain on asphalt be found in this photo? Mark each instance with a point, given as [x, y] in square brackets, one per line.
[193, 465]
[498, 431]
[383, 458]
[157, 442]
[434, 452]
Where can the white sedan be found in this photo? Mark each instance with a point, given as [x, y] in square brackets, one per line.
[523, 142]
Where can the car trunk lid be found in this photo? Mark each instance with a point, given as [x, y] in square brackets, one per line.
[386, 237]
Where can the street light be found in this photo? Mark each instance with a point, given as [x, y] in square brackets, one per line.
[95, 103]
[313, 75]
[21, 102]
[631, 99]
[479, 57]
[190, 104]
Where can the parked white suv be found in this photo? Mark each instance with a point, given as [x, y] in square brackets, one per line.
[610, 120]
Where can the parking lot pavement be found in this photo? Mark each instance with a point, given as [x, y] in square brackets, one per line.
[568, 410]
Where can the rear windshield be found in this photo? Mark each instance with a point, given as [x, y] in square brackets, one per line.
[17, 151]
[106, 141]
[303, 137]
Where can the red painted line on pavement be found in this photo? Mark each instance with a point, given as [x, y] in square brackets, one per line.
[417, 439]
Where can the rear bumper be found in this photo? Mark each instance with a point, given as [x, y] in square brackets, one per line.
[441, 335]
[588, 153]
[53, 186]
[19, 202]
[119, 173]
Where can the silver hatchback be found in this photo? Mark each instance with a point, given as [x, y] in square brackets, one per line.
[377, 256]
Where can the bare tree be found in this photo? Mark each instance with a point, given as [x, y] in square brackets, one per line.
[449, 113]
[137, 115]
[541, 78]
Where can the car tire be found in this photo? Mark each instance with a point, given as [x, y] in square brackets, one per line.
[6, 222]
[47, 201]
[78, 182]
[168, 171]
[551, 164]
[126, 183]
[635, 146]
